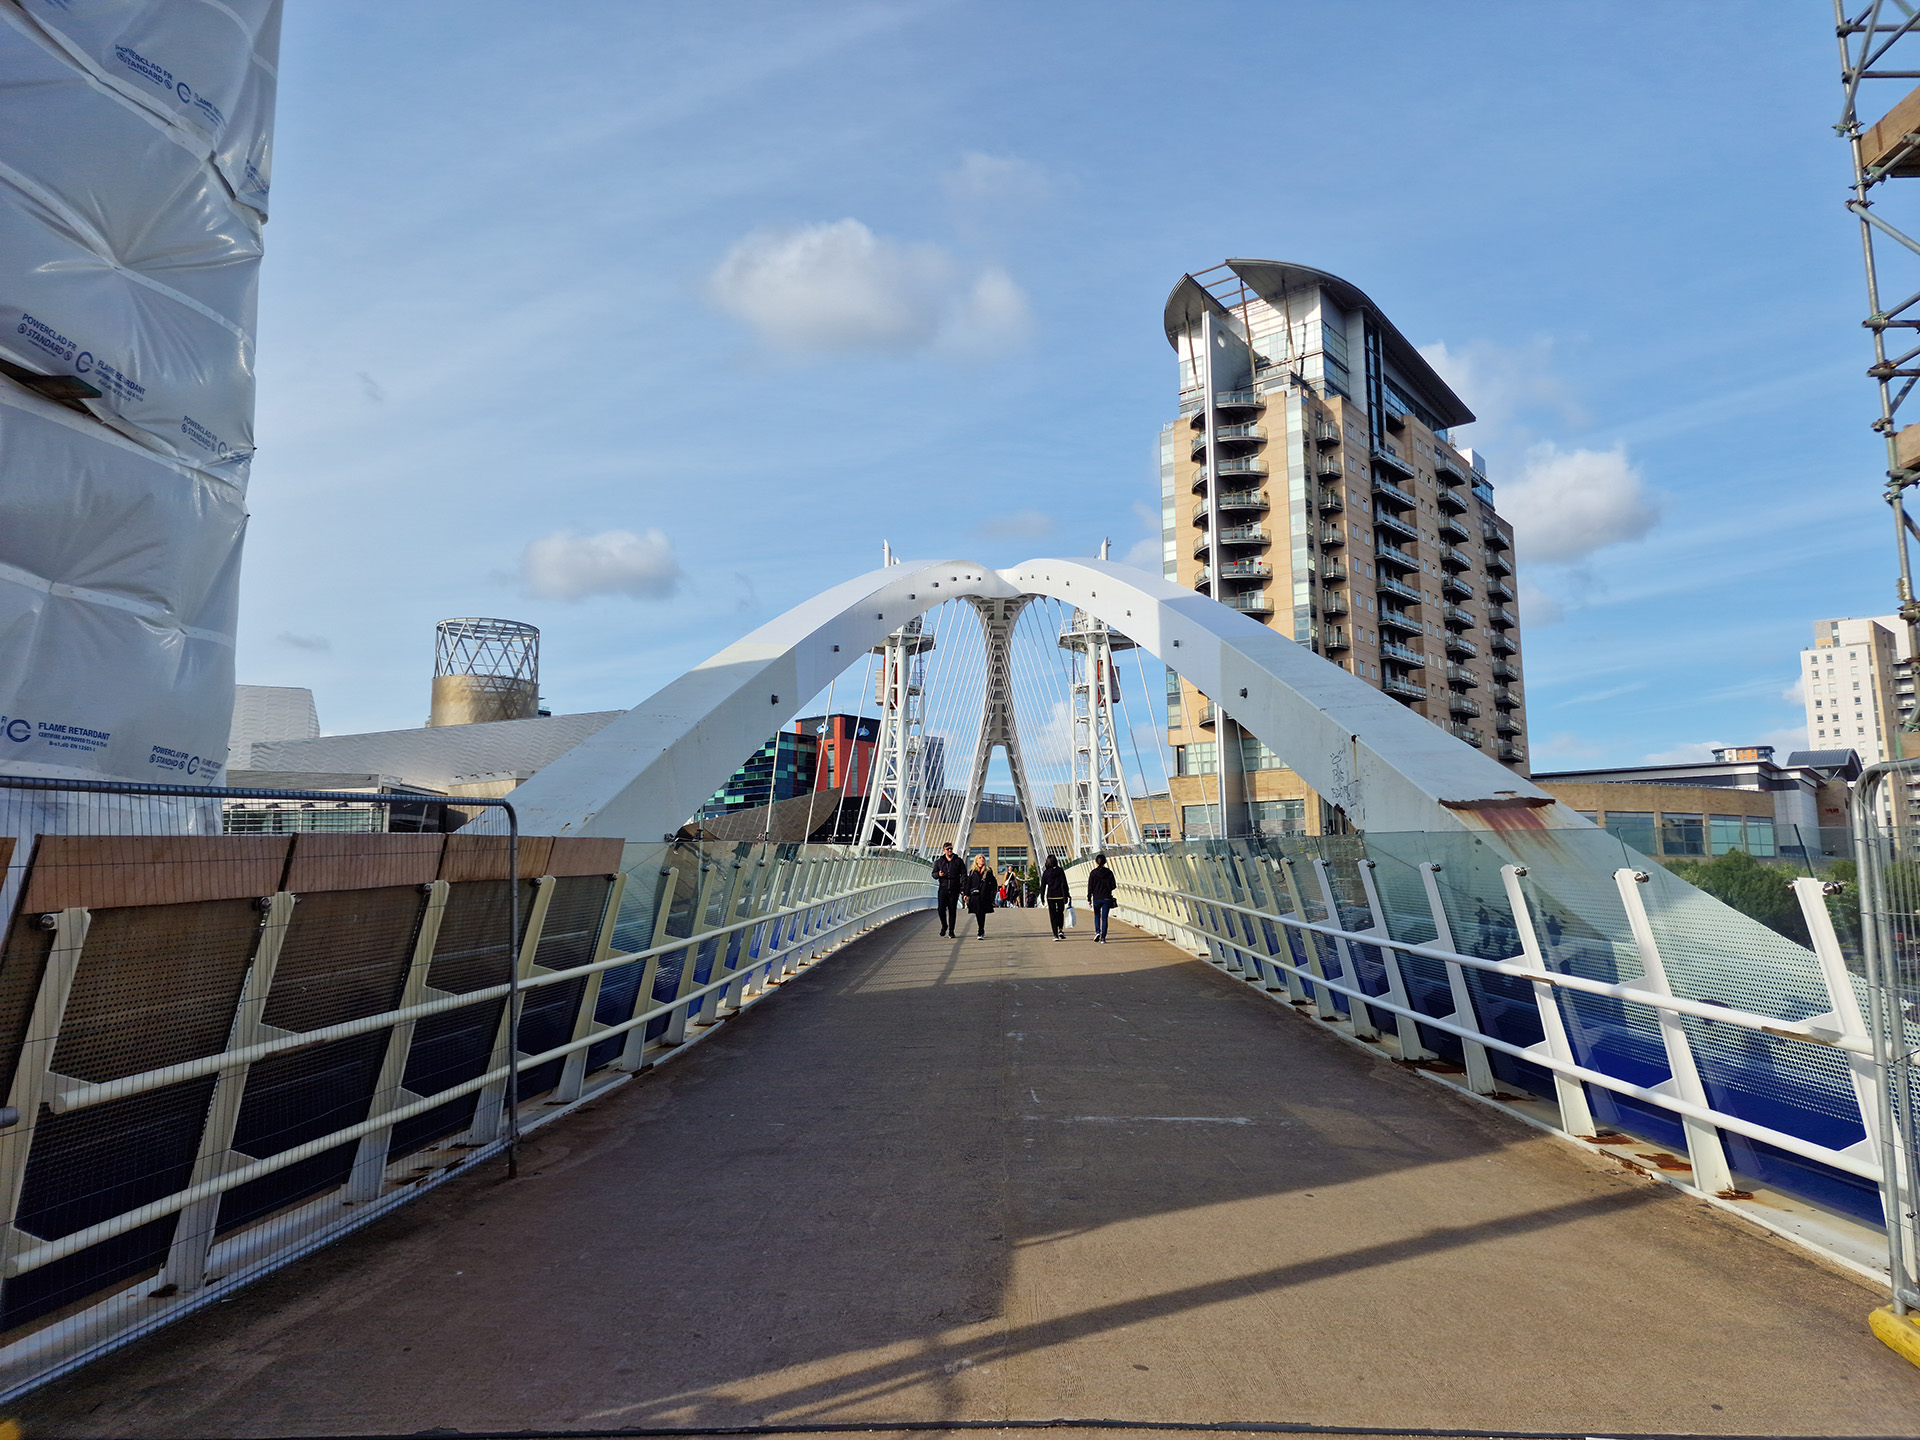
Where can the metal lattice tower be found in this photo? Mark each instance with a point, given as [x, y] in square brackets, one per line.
[997, 725]
[1102, 809]
[484, 670]
[1886, 150]
[895, 812]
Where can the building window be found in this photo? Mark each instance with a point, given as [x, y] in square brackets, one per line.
[1726, 833]
[1279, 817]
[1632, 828]
[1016, 854]
[1255, 756]
[1199, 758]
[1200, 822]
[1683, 835]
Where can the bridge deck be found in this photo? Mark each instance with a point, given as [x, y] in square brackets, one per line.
[954, 1180]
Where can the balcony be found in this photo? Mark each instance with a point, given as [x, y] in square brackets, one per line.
[1452, 502]
[1385, 489]
[1403, 689]
[1512, 754]
[1239, 400]
[1506, 696]
[1452, 531]
[1332, 535]
[1328, 464]
[1454, 615]
[1393, 460]
[1447, 470]
[1462, 678]
[1460, 704]
[1207, 716]
[1331, 500]
[1246, 570]
[1334, 638]
[1250, 604]
[1394, 414]
[1503, 672]
[1386, 520]
[1399, 620]
[1501, 619]
[1455, 559]
[1466, 733]
[1239, 500]
[1499, 590]
[1461, 648]
[1495, 540]
[1332, 602]
[1385, 586]
[1233, 535]
[1243, 465]
[1506, 725]
[1503, 646]
[1332, 571]
[1394, 650]
[1454, 588]
[1391, 555]
[1325, 432]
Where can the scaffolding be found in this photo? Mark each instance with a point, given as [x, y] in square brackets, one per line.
[1871, 49]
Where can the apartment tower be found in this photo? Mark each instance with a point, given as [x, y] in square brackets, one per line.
[1310, 483]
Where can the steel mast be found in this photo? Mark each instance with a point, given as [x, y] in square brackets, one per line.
[1102, 809]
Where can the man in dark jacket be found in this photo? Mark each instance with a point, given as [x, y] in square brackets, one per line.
[951, 874]
[1053, 889]
[1100, 887]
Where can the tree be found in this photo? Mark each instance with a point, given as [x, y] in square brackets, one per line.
[1760, 891]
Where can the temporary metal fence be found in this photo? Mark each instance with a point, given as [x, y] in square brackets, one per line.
[224, 1051]
[1596, 981]
[1889, 859]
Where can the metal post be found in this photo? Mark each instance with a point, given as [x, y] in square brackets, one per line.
[1358, 1015]
[1405, 1027]
[1576, 1117]
[1479, 1070]
[1705, 1151]
[370, 1158]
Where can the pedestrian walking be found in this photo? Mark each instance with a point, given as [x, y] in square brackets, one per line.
[1100, 888]
[950, 873]
[983, 886]
[1053, 889]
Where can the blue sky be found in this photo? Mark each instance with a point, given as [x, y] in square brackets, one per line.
[757, 285]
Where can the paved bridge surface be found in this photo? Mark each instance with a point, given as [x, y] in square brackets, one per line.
[951, 1180]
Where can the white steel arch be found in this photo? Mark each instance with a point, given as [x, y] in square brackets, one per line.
[1385, 767]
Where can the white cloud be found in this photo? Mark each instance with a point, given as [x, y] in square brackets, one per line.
[1016, 525]
[302, 642]
[1564, 745]
[1506, 386]
[995, 181]
[840, 288]
[568, 566]
[1566, 504]
[1686, 753]
[1537, 607]
[1796, 692]
[1146, 554]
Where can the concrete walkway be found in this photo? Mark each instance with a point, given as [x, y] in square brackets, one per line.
[938, 1180]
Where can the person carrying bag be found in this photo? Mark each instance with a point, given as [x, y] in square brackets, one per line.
[982, 886]
[1100, 887]
[1053, 889]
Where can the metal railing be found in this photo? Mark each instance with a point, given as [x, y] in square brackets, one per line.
[1615, 1010]
[262, 1042]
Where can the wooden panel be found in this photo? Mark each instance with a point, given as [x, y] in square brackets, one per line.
[1894, 127]
[585, 855]
[362, 862]
[484, 857]
[106, 871]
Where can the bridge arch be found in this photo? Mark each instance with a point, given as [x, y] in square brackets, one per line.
[1387, 768]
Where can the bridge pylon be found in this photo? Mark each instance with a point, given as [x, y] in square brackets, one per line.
[1102, 811]
[895, 813]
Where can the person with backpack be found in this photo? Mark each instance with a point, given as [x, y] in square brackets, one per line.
[1100, 888]
[1053, 889]
[983, 888]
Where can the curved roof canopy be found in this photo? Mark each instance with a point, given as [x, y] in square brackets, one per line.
[1270, 279]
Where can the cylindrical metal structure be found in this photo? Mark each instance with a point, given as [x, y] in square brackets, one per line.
[484, 670]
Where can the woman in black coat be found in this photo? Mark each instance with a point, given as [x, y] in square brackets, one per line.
[983, 890]
[1053, 889]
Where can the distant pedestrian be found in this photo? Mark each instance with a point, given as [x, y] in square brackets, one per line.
[983, 886]
[1100, 888]
[1053, 889]
[950, 873]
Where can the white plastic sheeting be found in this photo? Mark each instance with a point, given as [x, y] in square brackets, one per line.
[130, 216]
